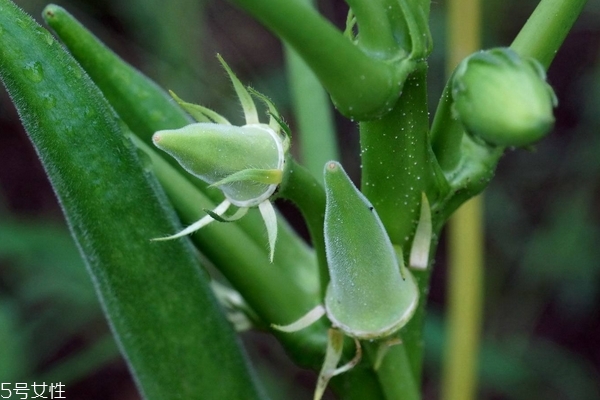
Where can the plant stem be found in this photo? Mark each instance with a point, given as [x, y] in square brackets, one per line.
[459, 374]
[465, 298]
[313, 114]
[306, 192]
[546, 29]
[394, 374]
[376, 35]
[397, 167]
[361, 87]
[397, 162]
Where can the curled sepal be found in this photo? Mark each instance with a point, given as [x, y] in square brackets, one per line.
[202, 222]
[366, 298]
[308, 319]
[333, 354]
[419, 252]
[503, 98]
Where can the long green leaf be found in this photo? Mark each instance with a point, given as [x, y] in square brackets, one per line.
[156, 296]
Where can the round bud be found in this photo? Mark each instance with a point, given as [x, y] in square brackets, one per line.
[503, 98]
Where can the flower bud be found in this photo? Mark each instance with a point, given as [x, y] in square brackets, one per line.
[214, 152]
[503, 98]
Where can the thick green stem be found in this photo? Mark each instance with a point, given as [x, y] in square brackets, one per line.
[375, 32]
[313, 115]
[307, 193]
[398, 164]
[546, 29]
[365, 90]
[395, 375]
[397, 167]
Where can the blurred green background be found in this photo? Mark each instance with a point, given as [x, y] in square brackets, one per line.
[542, 304]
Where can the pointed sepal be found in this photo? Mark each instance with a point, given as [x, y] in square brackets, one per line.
[245, 99]
[200, 113]
[419, 252]
[270, 217]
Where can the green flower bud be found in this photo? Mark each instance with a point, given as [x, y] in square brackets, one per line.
[214, 152]
[503, 98]
[367, 297]
[246, 162]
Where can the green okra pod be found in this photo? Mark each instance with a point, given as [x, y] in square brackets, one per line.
[113, 206]
[367, 297]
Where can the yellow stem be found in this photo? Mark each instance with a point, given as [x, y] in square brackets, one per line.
[459, 375]
[459, 378]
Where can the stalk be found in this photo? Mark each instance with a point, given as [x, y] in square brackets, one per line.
[464, 286]
[547, 28]
[361, 86]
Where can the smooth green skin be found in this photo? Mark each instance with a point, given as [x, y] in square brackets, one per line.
[367, 298]
[546, 29]
[366, 90]
[113, 207]
[502, 98]
[384, 27]
[313, 113]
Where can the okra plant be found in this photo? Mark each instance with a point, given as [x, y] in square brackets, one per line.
[131, 163]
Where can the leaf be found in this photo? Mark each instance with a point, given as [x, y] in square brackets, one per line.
[162, 312]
